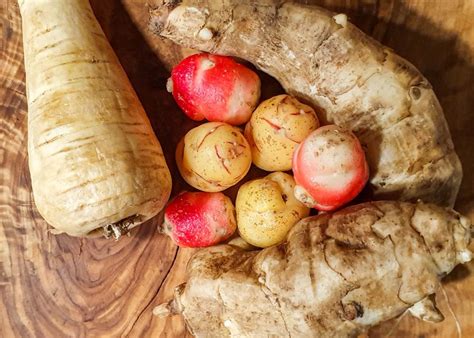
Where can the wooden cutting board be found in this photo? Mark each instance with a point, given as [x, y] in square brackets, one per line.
[59, 286]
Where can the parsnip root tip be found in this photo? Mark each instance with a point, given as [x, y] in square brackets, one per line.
[122, 227]
[113, 230]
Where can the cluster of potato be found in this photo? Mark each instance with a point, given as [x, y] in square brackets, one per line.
[281, 134]
[215, 156]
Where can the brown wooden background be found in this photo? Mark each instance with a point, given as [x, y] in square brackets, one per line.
[59, 286]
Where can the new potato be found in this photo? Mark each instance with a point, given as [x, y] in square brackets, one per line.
[213, 156]
[267, 209]
[276, 128]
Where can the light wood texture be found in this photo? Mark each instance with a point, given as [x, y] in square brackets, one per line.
[59, 286]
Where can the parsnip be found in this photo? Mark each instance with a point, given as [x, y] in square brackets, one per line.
[335, 276]
[359, 84]
[94, 159]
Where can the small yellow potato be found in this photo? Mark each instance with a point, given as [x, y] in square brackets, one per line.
[267, 209]
[213, 156]
[276, 127]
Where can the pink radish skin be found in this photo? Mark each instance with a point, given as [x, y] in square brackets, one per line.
[215, 88]
[199, 219]
[330, 168]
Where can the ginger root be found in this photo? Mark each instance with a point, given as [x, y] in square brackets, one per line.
[336, 274]
[356, 82]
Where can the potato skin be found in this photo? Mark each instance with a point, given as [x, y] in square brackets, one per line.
[215, 88]
[213, 156]
[199, 219]
[276, 128]
[330, 168]
[267, 209]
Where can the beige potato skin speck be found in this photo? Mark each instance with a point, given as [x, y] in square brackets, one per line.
[213, 156]
[93, 156]
[276, 128]
[267, 209]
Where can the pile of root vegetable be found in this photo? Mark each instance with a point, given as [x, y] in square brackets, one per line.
[281, 134]
[354, 116]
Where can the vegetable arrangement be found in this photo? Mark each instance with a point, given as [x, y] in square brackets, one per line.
[281, 134]
[95, 162]
[216, 155]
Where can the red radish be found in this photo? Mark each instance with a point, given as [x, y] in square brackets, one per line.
[199, 219]
[215, 88]
[330, 168]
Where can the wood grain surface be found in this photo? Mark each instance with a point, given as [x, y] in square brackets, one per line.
[59, 286]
